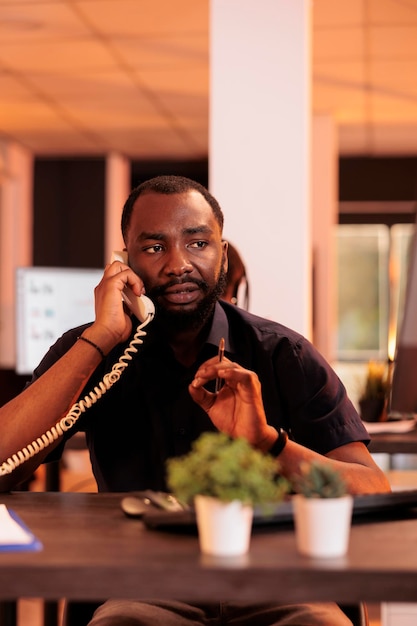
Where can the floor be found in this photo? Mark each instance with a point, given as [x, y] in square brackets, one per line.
[76, 476]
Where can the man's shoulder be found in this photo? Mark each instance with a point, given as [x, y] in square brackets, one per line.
[256, 321]
[59, 348]
[67, 339]
[262, 327]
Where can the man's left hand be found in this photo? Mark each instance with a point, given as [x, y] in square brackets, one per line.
[237, 409]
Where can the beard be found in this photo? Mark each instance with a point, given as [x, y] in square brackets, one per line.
[193, 319]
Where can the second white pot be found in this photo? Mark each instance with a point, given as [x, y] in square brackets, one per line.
[322, 525]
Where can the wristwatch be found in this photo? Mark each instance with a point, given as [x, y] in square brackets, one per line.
[279, 444]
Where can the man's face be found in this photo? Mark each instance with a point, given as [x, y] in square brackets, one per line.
[174, 244]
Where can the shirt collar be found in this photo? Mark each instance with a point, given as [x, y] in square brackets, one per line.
[220, 328]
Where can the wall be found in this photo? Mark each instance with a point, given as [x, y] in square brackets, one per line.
[68, 205]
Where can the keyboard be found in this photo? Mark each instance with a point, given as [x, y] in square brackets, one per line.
[367, 507]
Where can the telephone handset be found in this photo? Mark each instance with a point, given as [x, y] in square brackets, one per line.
[143, 308]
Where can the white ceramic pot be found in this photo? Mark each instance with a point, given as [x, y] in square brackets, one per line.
[322, 525]
[224, 528]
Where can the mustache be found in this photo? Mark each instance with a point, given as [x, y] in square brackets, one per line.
[159, 291]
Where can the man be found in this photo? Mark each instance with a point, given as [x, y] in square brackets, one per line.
[275, 383]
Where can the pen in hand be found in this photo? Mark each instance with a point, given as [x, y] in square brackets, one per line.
[221, 355]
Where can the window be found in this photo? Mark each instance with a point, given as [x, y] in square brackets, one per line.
[372, 261]
[372, 272]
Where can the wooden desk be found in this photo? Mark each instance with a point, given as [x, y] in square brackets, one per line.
[92, 551]
[394, 443]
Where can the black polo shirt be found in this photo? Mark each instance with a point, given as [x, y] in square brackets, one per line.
[148, 415]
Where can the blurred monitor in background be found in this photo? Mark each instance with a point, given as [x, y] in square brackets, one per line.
[50, 301]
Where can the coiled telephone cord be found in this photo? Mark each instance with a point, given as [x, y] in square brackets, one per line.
[68, 421]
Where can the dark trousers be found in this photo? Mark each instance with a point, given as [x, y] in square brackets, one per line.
[155, 613]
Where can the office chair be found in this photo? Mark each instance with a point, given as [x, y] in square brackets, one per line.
[8, 612]
[357, 613]
[80, 613]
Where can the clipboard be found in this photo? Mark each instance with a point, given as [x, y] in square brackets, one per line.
[15, 536]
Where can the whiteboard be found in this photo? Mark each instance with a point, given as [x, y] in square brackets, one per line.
[50, 301]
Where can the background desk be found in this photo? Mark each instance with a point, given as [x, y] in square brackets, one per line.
[92, 551]
[394, 443]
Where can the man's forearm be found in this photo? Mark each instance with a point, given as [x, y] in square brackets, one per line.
[38, 408]
[358, 469]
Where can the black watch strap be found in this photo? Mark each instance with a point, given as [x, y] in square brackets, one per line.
[279, 444]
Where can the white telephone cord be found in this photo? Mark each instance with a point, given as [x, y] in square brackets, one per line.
[78, 408]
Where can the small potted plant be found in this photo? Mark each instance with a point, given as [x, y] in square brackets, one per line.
[322, 511]
[224, 478]
[375, 393]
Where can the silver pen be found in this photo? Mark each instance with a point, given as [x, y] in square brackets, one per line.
[221, 355]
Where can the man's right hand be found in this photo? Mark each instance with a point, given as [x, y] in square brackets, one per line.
[113, 323]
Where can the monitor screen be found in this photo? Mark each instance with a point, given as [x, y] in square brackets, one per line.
[404, 381]
[50, 301]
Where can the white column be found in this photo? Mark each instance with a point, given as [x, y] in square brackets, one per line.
[116, 193]
[325, 211]
[16, 237]
[260, 147]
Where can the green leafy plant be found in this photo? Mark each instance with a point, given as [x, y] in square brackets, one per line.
[374, 398]
[319, 480]
[227, 469]
[377, 382]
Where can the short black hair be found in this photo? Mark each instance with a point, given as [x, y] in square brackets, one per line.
[168, 185]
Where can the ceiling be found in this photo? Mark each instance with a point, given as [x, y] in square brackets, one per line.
[86, 77]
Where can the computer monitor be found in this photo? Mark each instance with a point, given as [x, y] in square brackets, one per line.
[404, 381]
[50, 301]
